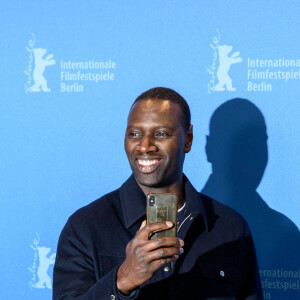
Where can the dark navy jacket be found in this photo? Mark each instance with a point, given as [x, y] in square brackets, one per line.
[219, 261]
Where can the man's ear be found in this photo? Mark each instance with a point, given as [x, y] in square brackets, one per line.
[188, 140]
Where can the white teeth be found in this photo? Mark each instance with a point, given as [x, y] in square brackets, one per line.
[147, 162]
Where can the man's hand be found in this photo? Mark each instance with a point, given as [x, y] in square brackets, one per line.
[144, 256]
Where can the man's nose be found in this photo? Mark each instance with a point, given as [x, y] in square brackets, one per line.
[146, 145]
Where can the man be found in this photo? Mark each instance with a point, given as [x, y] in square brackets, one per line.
[104, 251]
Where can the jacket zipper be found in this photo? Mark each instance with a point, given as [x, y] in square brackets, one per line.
[172, 264]
[183, 222]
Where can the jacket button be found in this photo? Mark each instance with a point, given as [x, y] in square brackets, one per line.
[222, 273]
[166, 269]
[112, 297]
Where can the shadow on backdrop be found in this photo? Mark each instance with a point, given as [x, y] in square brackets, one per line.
[237, 149]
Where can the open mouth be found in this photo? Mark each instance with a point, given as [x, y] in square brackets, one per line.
[147, 165]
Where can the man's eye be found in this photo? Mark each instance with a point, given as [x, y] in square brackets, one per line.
[134, 134]
[162, 134]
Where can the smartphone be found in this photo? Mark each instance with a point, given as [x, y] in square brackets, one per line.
[160, 208]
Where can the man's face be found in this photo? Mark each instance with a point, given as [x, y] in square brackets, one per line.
[155, 142]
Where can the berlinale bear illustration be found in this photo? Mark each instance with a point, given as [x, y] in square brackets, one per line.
[40, 65]
[224, 66]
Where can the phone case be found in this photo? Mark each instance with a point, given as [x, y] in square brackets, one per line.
[162, 207]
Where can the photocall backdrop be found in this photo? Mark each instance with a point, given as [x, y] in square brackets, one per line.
[70, 71]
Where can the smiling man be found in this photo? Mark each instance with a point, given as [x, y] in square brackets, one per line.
[104, 250]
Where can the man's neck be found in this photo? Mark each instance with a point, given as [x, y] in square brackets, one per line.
[175, 188]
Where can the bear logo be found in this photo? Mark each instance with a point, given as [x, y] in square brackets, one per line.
[44, 263]
[225, 62]
[40, 65]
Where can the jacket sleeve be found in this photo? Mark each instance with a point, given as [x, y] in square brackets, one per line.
[250, 288]
[75, 273]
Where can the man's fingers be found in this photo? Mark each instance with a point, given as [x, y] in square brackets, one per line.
[167, 223]
[146, 231]
[163, 253]
[163, 242]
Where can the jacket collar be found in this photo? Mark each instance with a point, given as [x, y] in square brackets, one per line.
[133, 202]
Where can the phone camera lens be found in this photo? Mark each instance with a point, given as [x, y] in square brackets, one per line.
[152, 201]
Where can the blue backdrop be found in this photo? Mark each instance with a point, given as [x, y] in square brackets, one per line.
[69, 73]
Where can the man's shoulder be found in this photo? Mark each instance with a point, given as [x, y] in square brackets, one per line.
[99, 208]
[91, 226]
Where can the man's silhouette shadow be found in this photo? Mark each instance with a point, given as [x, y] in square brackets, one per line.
[237, 149]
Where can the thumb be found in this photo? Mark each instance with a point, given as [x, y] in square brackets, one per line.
[143, 225]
